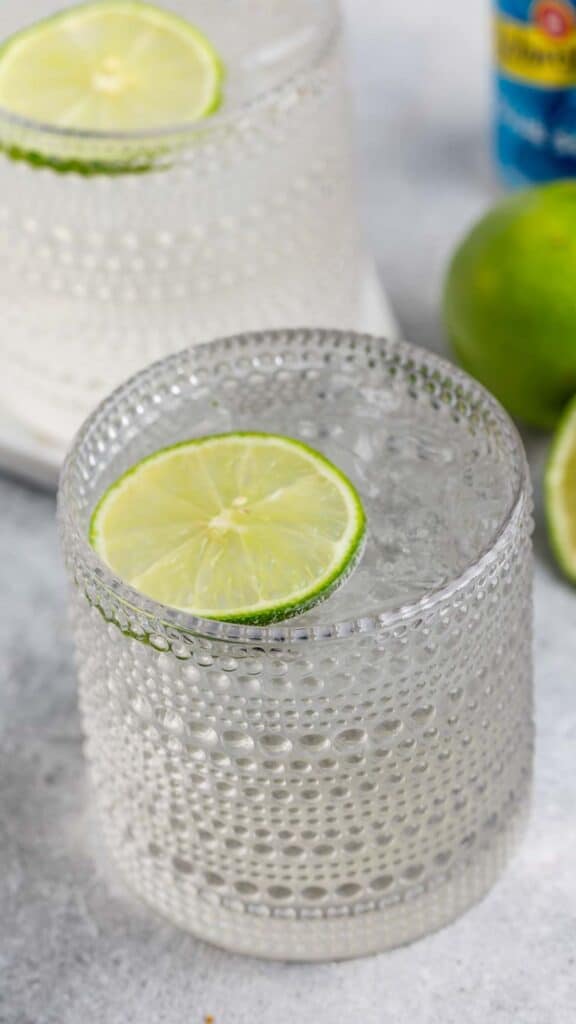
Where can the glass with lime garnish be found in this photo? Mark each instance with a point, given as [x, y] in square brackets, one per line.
[301, 595]
[167, 174]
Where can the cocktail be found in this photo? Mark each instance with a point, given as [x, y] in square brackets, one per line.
[211, 207]
[355, 775]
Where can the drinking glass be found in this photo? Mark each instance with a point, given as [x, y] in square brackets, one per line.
[117, 249]
[355, 777]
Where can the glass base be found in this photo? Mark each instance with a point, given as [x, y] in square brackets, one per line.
[38, 457]
[340, 937]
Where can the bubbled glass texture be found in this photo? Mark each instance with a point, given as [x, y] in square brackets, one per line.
[322, 788]
[244, 222]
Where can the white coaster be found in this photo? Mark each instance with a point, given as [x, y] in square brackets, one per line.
[38, 459]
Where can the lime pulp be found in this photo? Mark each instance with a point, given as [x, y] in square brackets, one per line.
[240, 527]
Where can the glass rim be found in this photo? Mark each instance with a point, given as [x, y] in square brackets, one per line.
[189, 128]
[283, 632]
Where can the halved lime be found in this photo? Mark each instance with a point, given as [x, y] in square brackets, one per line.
[110, 66]
[241, 527]
[560, 492]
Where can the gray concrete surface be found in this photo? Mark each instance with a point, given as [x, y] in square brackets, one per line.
[75, 948]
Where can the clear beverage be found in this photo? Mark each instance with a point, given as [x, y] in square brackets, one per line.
[350, 779]
[243, 220]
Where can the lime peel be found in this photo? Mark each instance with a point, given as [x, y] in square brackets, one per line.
[560, 492]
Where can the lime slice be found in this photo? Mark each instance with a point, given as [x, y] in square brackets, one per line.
[110, 66]
[560, 492]
[239, 527]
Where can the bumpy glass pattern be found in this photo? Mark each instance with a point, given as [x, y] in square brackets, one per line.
[245, 221]
[318, 788]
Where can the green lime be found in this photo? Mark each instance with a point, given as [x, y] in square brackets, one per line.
[110, 66]
[510, 302]
[240, 527]
[560, 492]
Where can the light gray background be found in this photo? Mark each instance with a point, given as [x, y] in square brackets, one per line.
[74, 947]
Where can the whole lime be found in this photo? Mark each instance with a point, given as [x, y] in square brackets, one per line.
[510, 302]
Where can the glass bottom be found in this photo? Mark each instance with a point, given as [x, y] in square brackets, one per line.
[44, 429]
[423, 910]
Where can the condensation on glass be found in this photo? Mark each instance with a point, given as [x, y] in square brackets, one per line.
[354, 778]
[243, 221]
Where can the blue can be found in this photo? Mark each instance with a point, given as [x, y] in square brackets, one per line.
[535, 122]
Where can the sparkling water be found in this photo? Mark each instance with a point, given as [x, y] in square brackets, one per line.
[244, 220]
[352, 778]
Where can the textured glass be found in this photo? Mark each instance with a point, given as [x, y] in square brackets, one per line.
[353, 778]
[243, 221]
